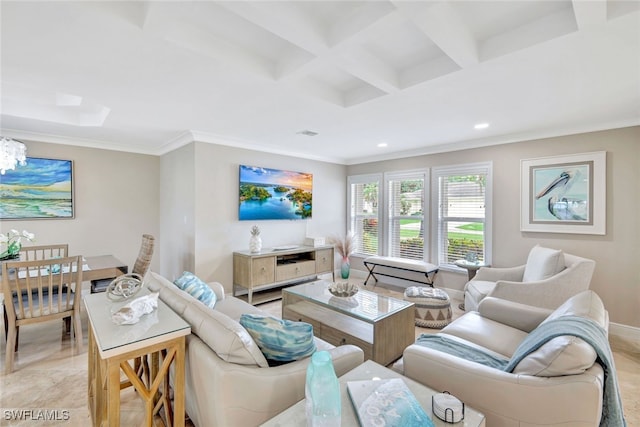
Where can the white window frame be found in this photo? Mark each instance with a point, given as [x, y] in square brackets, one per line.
[387, 218]
[464, 169]
[352, 218]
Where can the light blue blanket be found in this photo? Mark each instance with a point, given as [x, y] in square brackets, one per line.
[586, 329]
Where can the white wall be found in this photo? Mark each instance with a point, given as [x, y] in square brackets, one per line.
[116, 201]
[177, 212]
[616, 278]
[216, 230]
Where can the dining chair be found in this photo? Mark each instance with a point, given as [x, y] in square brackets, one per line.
[32, 253]
[40, 291]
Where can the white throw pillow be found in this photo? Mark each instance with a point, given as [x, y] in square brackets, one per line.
[543, 263]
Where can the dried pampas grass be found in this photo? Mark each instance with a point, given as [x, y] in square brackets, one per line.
[344, 246]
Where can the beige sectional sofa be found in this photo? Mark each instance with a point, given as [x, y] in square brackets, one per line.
[228, 381]
[558, 384]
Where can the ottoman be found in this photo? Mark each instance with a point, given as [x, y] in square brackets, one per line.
[433, 306]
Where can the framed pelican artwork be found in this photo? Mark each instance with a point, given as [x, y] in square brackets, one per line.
[564, 194]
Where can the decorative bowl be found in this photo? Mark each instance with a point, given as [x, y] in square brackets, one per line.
[343, 289]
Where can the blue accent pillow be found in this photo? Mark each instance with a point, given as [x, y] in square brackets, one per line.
[195, 287]
[280, 341]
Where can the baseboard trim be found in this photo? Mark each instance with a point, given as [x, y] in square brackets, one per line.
[626, 333]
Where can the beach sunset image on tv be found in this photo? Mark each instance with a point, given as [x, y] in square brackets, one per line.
[274, 194]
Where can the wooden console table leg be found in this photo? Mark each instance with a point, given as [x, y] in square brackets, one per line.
[113, 390]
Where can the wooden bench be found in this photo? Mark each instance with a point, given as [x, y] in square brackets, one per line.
[403, 264]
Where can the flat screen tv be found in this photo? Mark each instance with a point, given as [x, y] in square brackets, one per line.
[274, 194]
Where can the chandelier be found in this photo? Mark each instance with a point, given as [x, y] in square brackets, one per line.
[12, 152]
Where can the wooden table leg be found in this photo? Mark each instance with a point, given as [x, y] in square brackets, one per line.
[113, 391]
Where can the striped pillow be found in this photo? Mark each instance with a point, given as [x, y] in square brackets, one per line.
[280, 341]
[195, 287]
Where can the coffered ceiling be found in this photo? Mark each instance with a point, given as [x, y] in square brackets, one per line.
[327, 80]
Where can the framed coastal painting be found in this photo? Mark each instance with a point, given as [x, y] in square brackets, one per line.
[564, 194]
[42, 189]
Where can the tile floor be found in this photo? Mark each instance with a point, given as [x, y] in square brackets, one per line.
[51, 374]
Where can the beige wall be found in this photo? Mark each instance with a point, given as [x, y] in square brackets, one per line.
[188, 199]
[116, 201]
[617, 254]
[177, 212]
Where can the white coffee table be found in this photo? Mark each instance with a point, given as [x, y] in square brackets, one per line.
[295, 415]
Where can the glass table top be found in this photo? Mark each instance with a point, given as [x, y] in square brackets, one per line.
[112, 338]
[365, 305]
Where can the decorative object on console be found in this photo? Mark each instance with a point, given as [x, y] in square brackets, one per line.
[274, 194]
[41, 189]
[12, 153]
[255, 241]
[344, 246]
[131, 313]
[564, 194]
[124, 287]
[343, 289]
[13, 240]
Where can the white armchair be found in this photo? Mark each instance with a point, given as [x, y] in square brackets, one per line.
[548, 279]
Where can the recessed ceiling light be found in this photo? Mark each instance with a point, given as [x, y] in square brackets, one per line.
[481, 126]
[307, 132]
[382, 144]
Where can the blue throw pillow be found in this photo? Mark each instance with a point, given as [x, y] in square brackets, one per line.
[195, 287]
[280, 341]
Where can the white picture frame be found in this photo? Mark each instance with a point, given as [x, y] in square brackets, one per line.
[564, 194]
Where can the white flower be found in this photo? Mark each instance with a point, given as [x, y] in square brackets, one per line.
[13, 240]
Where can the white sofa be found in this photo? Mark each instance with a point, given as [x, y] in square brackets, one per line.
[558, 384]
[548, 279]
[226, 381]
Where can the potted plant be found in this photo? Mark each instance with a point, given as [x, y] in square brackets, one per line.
[344, 246]
[13, 241]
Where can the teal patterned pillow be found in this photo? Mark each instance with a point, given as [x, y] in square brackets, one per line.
[280, 340]
[195, 287]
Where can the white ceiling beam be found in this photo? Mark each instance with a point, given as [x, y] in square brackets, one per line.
[285, 21]
[361, 20]
[589, 13]
[163, 22]
[360, 63]
[442, 24]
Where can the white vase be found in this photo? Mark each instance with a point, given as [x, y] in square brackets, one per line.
[255, 244]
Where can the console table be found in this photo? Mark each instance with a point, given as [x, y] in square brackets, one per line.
[159, 336]
[273, 267]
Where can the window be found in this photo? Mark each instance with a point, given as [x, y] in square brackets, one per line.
[406, 195]
[463, 212]
[364, 220]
